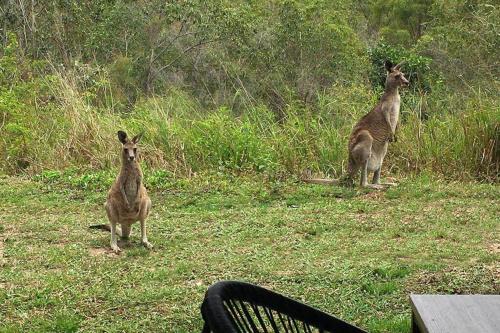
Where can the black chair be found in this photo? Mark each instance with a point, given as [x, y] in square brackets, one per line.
[234, 307]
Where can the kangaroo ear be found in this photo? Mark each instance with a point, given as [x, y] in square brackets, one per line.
[398, 66]
[122, 136]
[388, 65]
[136, 138]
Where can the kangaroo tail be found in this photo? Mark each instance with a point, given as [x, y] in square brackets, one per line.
[105, 227]
[322, 181]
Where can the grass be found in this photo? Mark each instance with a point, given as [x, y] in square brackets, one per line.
[183, 137]
[355, 254]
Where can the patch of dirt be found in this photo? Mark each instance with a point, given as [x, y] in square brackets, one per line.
[496, 272]
[494, 248]
[470, 280]
[97, 252]
[163, 309]
[6, 286]
[391, 180]
[375, 194]
[195, 283]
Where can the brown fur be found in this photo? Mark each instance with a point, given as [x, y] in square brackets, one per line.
[371, 135]
[322, 181]
[128, 201]
[307, 174]
[369, 138]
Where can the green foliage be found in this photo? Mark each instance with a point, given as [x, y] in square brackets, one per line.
[401, 22]
[16, 136]
[302, 42]
[417, 68]
[222, 141]
[272, 87]
[66, 323]
[465, 45]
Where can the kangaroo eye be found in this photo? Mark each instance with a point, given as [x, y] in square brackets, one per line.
[125, 150]
[398, 76]
[135, 150]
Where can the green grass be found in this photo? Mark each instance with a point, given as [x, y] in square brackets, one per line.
[355, 254]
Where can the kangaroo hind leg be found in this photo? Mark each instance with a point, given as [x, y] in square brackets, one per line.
[126, 228]
[144, 215]
[359, 156]
[113, 221]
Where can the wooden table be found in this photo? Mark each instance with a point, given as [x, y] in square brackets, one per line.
[455, 313]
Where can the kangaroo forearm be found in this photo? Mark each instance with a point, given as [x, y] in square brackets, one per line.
[392, 129]
[124, 195]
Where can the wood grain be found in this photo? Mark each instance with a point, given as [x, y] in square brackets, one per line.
[456, 313]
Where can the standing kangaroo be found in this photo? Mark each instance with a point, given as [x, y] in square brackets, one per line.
[128, 201]
[371, 135]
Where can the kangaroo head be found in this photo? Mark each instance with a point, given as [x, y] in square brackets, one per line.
[129, 152]
[395, 78]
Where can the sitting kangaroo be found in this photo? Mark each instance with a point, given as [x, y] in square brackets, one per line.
[128, 201]
[371, 135]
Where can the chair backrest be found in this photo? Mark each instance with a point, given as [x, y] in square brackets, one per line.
[238, 307]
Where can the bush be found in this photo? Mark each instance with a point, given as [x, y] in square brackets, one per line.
[270, 87]
[417, 68]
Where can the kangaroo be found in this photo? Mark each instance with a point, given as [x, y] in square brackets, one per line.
[127, 201]
[371, 135]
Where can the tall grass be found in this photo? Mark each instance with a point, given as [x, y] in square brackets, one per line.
[181, 137]
[460, 142]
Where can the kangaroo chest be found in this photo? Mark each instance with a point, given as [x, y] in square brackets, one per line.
[393, 110]
[131, 187]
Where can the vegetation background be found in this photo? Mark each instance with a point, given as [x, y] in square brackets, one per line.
[271, 87]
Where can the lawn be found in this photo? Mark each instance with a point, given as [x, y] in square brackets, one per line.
[352, 253]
